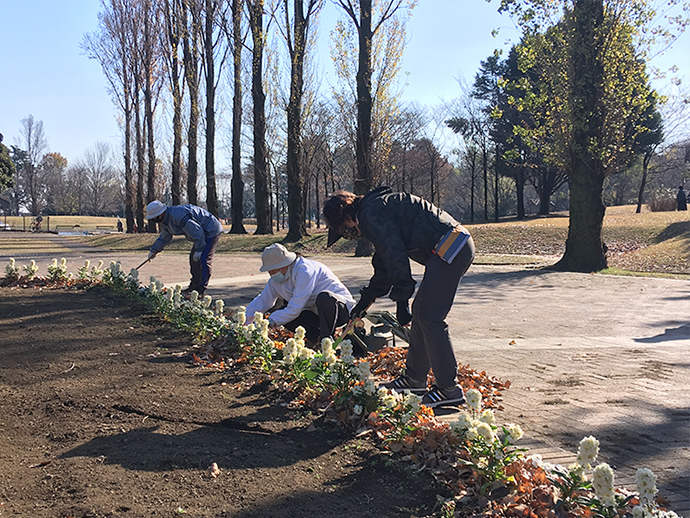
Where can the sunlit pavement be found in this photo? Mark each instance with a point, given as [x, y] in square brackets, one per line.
[586, 354]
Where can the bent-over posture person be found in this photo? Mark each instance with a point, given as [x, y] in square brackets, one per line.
[197, 225]
[316, 299]
[403, 226]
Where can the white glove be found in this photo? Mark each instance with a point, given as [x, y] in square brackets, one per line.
[152, 255]
[196, 257]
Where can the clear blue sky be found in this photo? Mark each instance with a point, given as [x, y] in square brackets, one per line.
[46, 74]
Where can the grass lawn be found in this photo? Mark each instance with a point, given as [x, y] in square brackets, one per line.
[650, 242]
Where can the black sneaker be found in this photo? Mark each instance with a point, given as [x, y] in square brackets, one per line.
[404, 382]
[453, 396]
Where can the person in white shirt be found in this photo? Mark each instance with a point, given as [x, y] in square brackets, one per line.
[316, 299]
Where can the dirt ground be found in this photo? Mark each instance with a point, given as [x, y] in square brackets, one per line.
[102, 415]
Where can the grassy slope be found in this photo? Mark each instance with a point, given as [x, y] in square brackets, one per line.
[649, 242]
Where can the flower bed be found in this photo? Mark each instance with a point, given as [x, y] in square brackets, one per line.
[476, 457]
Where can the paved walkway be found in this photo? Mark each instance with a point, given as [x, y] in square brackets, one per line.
[586, 354]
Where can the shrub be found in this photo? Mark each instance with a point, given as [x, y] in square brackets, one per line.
[662, 200]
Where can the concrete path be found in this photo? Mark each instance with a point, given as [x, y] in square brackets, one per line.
[586, 354]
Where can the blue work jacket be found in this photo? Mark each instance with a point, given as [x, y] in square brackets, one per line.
[196, 224]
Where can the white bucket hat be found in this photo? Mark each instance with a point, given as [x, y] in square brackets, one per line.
[276, 256]
[154, 209]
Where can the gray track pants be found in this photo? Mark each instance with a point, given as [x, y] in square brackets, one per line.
[430, 345]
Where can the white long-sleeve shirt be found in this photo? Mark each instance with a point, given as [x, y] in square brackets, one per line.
[305, 280]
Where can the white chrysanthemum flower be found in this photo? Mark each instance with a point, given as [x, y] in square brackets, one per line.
[369, 387]
[488, 417]
[412, 401]
[485, 432]
[305, 353]
[357, 410]
[207, 301]
[576, 470]
[515, 431]
[474, 399]
[169, 294]
[347, 359]
[240, 317]
[63, 262]
[639, 512]
[645, 480]
[602, 482]
[334, 377]
[389, 400]
[462, 424]
[346, 348]
[326, 346]
[194, 297]
[87, 264]
[134, 275]
[263, 328]
[300, 333]
[381, 392]
[472, 434]
[220, 306]
[364, 370]
[12, 262]
[588, 451]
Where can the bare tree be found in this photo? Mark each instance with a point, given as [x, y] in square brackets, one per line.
[100, 181]
[30, 185]
[296, 32]
[191, 16]
[112, 47]
[237, 186]
[214, 11]
[255, 9]
[174, 29]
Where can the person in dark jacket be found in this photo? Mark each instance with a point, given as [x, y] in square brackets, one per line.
[402, 227]
[681, 199]
[199, 226]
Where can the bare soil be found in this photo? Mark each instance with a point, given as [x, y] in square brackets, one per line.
[102, 415]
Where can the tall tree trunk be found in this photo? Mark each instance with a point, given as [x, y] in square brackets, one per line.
[295, 180]
[645, 169]
[140, 154]
[237, 184]
[584, 249]
[363, 175]
[130, 195]
[261, 181]
[211, 192]
[520, 192]
[485, 167]
[191, 67]
[496, 189]
[173, 9]
[148, 109]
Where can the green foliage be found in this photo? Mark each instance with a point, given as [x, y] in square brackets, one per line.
[12, 271]
[7, 168]
[490, 453]
[57, 272]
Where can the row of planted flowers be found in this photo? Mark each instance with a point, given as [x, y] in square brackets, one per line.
[474, 456]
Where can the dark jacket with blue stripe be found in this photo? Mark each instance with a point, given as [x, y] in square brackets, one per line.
[401, 226]
[196, 224]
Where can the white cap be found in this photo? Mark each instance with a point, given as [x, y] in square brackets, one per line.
[275, 257]
[154, 209]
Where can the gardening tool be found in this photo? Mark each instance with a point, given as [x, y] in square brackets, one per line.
[142, 264]
[386, 318]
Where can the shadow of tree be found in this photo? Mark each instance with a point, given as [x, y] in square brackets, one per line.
[681, 332]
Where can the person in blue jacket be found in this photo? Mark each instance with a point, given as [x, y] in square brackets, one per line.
[197, 225]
